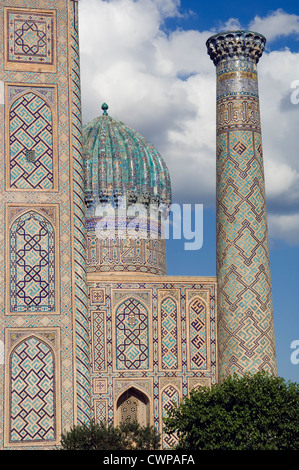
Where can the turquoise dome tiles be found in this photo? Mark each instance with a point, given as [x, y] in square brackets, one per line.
[121, 162]
[127, 175]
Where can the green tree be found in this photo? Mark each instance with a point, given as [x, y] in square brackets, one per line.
[103, 436]
[254, 412]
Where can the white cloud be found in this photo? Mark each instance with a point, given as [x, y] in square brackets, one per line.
[168, 8]
[277, 23]
[152, 84]
[282, 181]
[163, 85]
[280, 121]
[231, 24]
[284, 227]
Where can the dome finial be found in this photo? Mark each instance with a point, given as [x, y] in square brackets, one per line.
[104, 108]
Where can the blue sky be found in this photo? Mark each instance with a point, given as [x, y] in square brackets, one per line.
[147, 59]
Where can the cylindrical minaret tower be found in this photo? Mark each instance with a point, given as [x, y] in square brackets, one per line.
[245, 325]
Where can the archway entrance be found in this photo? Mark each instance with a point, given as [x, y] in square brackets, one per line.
[133, 405]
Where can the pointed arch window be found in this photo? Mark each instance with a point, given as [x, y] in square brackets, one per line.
[32, 264]
[133, 405]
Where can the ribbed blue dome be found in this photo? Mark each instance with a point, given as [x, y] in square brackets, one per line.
[119, 161]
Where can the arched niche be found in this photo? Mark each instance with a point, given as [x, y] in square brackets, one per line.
[169, 335]
[197, 334]
[32, 404]
[132, 342]
[133, 405]
[32, 263]
[31, 144]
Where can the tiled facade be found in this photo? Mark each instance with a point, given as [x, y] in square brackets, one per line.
[91, 327]
[152, 337]
[42, 228]
[156, 335]
[30, 40]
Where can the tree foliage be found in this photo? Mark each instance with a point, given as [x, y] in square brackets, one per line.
[103, 436]
[254, 412]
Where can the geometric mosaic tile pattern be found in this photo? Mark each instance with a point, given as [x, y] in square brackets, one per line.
[246, 336]
[35, 93]
[197, 328]
[42, 115]
[99, 334]
[30, 130]
[152, 327]
[169, 334]
[170, 397]
[32, 409]
[132, 336]
[100, 410]
[119, 162]
[30, 39]
[124, 254]
[153, 337]
[82, 360]
[32, 264]
[122, 169]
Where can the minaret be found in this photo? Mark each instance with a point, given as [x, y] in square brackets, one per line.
[245, 316]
